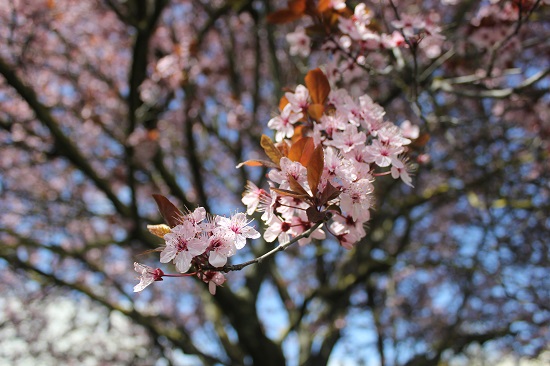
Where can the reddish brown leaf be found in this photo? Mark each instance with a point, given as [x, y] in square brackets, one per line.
[282, 103]
[296, 187]
[283, 16]
[270, 149]
[315, 169]
[315, 111]
[265, 163]
[307, 151]
[295, 152]
[318, 86]
[421, 141]
[283, 147]
[329, 193]
[170, 213]
[313, 215]
[299, 132]
[297, 6]
[323, 5]
[316, 31]
[285, 192]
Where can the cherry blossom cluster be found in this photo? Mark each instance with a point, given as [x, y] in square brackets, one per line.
[200, 241]
[357, 145]
[356, 37]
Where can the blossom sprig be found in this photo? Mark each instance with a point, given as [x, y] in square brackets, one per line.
[325, 163]
[205, 271]
[196, 240]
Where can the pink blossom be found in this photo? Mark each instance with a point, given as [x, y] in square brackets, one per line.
[299, 100]
[182, 246]
[356, 199]
[289, 168]
[383, 155]
[220, 247]
[277, 229]
[237, 228]
[299, 42]
[252, 197]
[349, 139]
[148, 275]
[284, 124]
[217, 279]
[401, 172]
[409, 130]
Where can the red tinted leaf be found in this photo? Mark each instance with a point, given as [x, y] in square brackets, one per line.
[318, 86]
[282, 103]
[265, 163]
[285, 192]
[421, 141]
[324, 5]
[299, 132]
[283, 16]
[313, 215]
[307, 151]
[315, 111]
[296, 187]
[295, 152]
[297, 6]
[170, 213]
[315, 169]
[329, 193]
[270, 149]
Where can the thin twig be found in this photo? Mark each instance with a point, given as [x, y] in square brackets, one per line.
[282, 246]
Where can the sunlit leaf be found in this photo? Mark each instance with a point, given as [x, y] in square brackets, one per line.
[297, 148]
[307, 151]
[318, 86]
[315, 169]
[286, 192]
[323, 5]
[258, 162]
[299, 132]
[159, 230]
[296, 187]
[270, 149]
[282, 103]
[315, 111]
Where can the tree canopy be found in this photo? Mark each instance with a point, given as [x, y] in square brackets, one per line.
[104, 104]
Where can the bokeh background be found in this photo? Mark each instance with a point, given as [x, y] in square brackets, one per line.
[103, 103]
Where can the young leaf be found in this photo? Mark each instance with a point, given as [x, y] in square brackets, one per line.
[286, 192]
[297, 149]
[170, 213]
[315, 111]
[271, 150]
[159, 230]
[318, 86]
[265, 163]
[282, 103]
[307, 152]
[315, 169]
[329, 193]
[323, 5]
[297, 6]
[313, 215]
[283, 16]
[296, 187]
